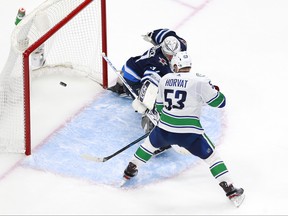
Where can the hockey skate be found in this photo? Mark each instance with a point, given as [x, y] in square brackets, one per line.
[161, 150]
[236, 195]
[130, 172]
[117, 88]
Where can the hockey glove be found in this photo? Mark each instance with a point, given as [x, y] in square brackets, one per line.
[148, 38]
[217, 87]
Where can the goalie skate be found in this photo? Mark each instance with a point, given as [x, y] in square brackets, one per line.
[117, 88]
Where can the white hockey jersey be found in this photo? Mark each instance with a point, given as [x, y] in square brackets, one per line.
[180, 99]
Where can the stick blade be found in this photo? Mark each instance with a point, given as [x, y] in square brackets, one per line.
[92, 158]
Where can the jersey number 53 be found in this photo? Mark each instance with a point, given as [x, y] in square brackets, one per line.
[174, 98]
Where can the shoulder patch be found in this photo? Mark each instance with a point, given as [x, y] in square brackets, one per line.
[163, 61]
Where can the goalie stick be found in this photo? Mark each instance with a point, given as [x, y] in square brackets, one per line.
[149, 114]
[103, 159]
[119, 75]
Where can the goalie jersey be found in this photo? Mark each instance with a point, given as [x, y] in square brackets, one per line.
[180, 99]
[151, 65]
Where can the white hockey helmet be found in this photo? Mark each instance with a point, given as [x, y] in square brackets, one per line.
[170, 46]
[181, 60]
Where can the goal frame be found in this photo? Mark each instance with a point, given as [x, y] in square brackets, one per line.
[41, 40]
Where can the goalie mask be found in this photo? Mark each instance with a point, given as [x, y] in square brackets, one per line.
[179, 61]
[170, 46]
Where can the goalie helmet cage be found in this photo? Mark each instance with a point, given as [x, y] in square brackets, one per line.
[57, 34]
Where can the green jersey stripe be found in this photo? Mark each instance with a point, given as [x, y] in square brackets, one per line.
[217, 101]
[180, 121]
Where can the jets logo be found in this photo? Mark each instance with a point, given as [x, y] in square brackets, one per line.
[162, 61]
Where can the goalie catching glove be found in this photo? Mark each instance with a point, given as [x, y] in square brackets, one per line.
[146, 98]
[148, 37]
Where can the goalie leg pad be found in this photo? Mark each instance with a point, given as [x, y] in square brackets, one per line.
[148, 94]
[138, 106]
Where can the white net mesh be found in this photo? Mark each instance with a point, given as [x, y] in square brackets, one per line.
[78, 44]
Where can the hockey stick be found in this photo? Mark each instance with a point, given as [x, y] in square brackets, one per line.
[119, 75]
[103, 159]
[149, 114]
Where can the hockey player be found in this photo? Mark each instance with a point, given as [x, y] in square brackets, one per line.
[154, 63]
[179, 100]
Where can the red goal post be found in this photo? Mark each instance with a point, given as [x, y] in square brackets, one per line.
[58, 33]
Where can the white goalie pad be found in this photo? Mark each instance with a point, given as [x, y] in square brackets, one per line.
[138, 106]
[146, 98]
[148, 94]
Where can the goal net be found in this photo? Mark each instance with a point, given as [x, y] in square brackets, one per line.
[57, 34]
